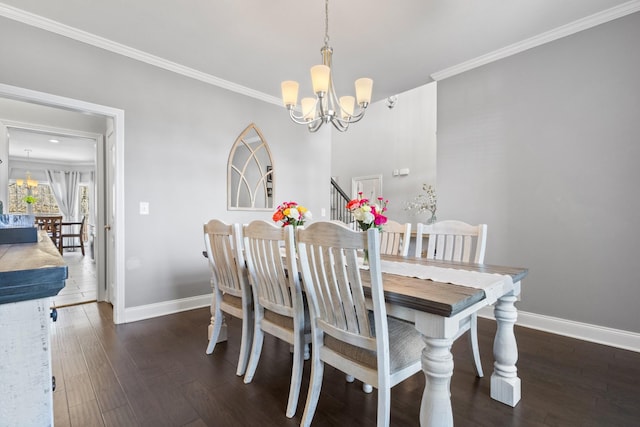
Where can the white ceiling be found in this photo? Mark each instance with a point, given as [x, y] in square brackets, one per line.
[32, 126]
[45, 146]
[256, 43]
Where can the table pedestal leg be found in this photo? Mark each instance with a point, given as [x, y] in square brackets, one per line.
[437, 364]
[505, 384]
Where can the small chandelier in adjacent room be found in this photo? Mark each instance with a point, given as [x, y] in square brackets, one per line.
[31, 183]
[326, 106]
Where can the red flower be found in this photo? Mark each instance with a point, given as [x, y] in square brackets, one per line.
[353, 204]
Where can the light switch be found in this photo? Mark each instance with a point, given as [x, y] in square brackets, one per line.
[144, 208]
[323, 212]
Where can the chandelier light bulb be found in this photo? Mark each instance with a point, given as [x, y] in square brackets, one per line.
[290, 93]
[347, 104]
[364, 87]
[320, 78]
[308, 108]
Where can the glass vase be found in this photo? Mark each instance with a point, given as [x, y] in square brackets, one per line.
[433, 219]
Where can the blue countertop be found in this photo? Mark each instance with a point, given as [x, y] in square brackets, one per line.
[31, 270]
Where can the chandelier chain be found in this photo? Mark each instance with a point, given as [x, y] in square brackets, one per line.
[326, 22]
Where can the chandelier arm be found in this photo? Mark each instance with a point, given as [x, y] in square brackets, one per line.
[337, 108]
[340, 125]
[314, 126]
[356, 117]
[300, 119]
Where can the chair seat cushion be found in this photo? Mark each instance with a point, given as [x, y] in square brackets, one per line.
[287, 322]
[405, 346]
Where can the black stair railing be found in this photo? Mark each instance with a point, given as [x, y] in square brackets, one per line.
[339, 200]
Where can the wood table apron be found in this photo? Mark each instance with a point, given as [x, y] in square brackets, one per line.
[439, 310]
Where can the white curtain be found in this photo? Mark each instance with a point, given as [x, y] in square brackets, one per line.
[64, 186]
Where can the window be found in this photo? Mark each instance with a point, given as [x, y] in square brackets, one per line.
[45, 202]
[83, 200]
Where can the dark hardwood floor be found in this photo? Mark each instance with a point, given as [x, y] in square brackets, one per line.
[156, 373]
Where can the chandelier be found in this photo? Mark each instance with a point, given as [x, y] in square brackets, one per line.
[31, 183]
[326, 106]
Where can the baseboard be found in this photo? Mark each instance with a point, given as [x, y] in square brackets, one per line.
[142, 312]
[583, 331]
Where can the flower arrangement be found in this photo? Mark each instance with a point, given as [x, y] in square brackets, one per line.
[368, 214]
[423, 203]
[29, 200]
[291, 213]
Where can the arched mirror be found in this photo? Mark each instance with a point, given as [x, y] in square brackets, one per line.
[250, 173]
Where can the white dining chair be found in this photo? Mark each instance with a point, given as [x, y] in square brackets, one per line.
[277, 294]
[395, 238]
[375, 349]
[457, 241]
[231, 292]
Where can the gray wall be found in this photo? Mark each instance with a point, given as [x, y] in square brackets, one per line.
[544, 147]
[178, 133]
[388, 139]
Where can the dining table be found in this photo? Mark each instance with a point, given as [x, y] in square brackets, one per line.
[440, 297]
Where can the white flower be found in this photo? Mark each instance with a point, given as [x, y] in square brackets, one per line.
[424, 202]
[293, 213]
[364, 214]
[307, 215]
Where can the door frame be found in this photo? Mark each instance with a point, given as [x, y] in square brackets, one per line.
[98, 194]
[22, 94]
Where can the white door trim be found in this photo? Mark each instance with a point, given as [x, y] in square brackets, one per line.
[43, 98]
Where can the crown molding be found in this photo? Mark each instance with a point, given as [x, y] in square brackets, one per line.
[111, 46]
[590, 21]
[52, 26]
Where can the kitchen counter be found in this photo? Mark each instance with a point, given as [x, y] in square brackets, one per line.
[30, 273]
[30, 270]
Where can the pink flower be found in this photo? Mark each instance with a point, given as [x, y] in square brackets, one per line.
[368, 214]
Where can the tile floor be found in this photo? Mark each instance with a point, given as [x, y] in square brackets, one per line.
[82, 283]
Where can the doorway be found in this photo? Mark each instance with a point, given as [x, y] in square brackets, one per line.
[52, 151]
[109, 229]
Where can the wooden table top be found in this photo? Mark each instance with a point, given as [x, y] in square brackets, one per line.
[444, 299]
